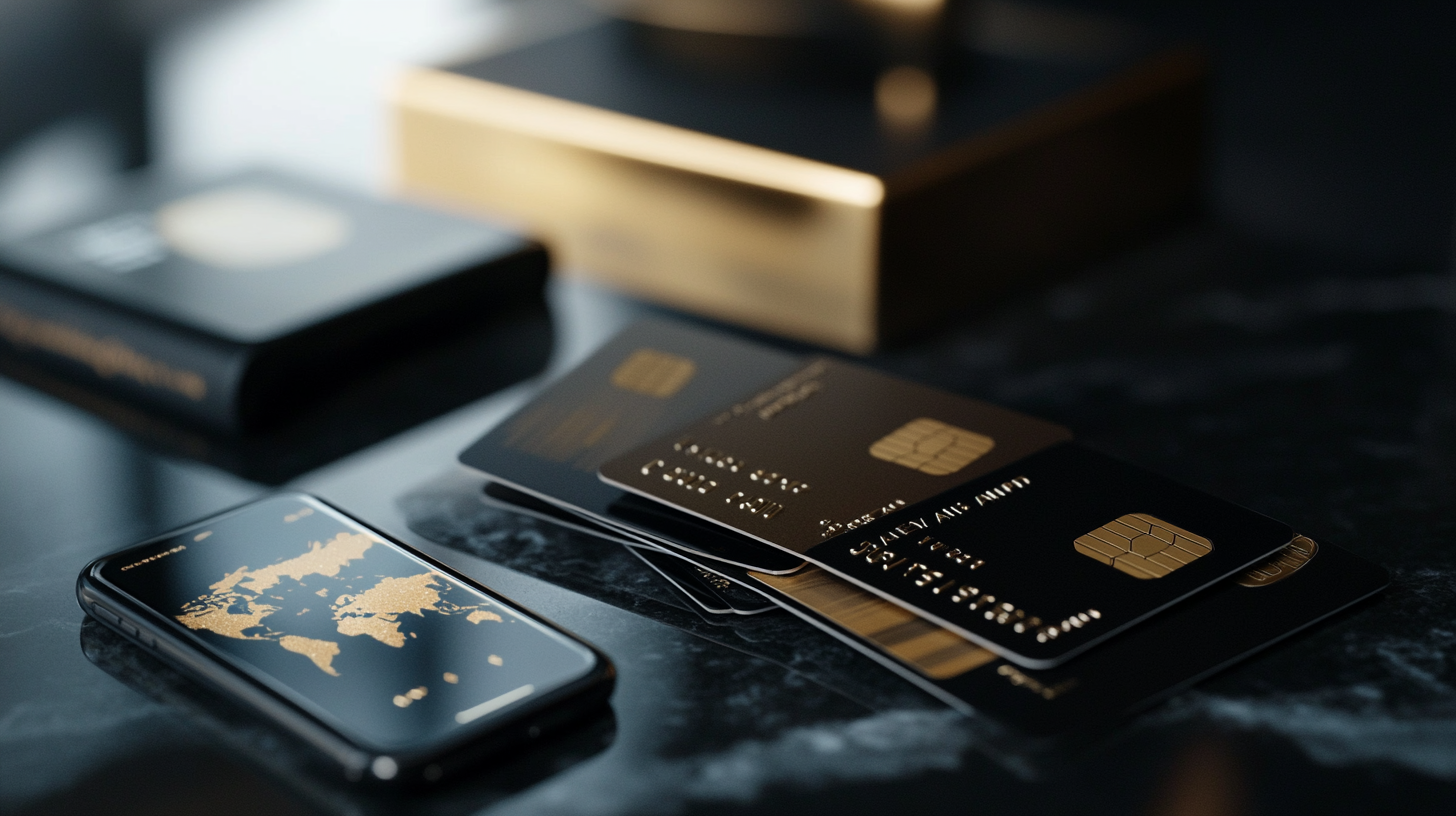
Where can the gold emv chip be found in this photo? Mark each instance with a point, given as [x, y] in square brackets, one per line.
[653, 373]
[932, 447]
[1143, 546]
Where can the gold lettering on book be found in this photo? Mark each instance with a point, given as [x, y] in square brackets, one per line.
[108, 356]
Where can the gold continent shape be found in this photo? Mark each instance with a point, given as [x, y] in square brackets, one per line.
[213, 612]
[321, 652]
[375, 611]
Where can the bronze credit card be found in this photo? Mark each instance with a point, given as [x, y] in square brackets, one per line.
[825, 450]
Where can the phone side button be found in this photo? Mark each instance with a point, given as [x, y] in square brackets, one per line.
[105, 615]
[131, 631]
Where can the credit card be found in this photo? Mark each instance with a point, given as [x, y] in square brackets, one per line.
[501, 497]
[1301, 585]
[1054, 554]
[652, 377]
[824, 450]
[708, 590]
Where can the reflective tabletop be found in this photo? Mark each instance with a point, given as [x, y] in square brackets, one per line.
[1319, 391]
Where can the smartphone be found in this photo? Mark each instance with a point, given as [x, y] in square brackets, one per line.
[392, 665]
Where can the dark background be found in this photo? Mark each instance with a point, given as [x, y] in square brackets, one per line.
[1291, 348]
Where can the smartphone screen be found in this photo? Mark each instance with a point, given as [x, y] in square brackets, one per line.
[373, 640]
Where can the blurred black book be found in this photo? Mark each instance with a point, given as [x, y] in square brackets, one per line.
[244, 304]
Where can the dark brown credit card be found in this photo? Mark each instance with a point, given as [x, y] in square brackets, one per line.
[652, 377]
[1047, 557]
[825, 450]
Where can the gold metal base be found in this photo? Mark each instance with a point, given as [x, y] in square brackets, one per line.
[797, 246]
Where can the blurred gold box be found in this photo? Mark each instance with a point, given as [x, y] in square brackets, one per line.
[793, 206]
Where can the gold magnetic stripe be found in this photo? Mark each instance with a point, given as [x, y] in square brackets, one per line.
[929, 649]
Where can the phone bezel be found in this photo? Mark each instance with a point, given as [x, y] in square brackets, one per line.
[429, 760]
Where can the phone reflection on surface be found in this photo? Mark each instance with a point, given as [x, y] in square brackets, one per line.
[300, 768]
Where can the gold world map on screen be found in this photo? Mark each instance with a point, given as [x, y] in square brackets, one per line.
[242, 605]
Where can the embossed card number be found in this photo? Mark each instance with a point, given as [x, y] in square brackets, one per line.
[815, 453]
[1046, 563]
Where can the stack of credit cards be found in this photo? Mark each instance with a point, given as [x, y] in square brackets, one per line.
[982, 554]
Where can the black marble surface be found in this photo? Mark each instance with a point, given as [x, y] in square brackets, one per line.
[1318, 390]
[1294, 351]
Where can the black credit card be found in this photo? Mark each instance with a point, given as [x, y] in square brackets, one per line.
[1053, 554]
[708, 589]
[1301, 585]
[652, 377]
[816, 453]
[1304, 584]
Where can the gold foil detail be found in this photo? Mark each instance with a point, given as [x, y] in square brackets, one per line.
[934, 652]
[1285, 563]
[214, 614]
[375, 611]
[233, 608]
[1143, 546]
[932, 447]
[321, 652]
[452, 678]
[321, 559]
[157, 557]
[416, 693]
[653, 373]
